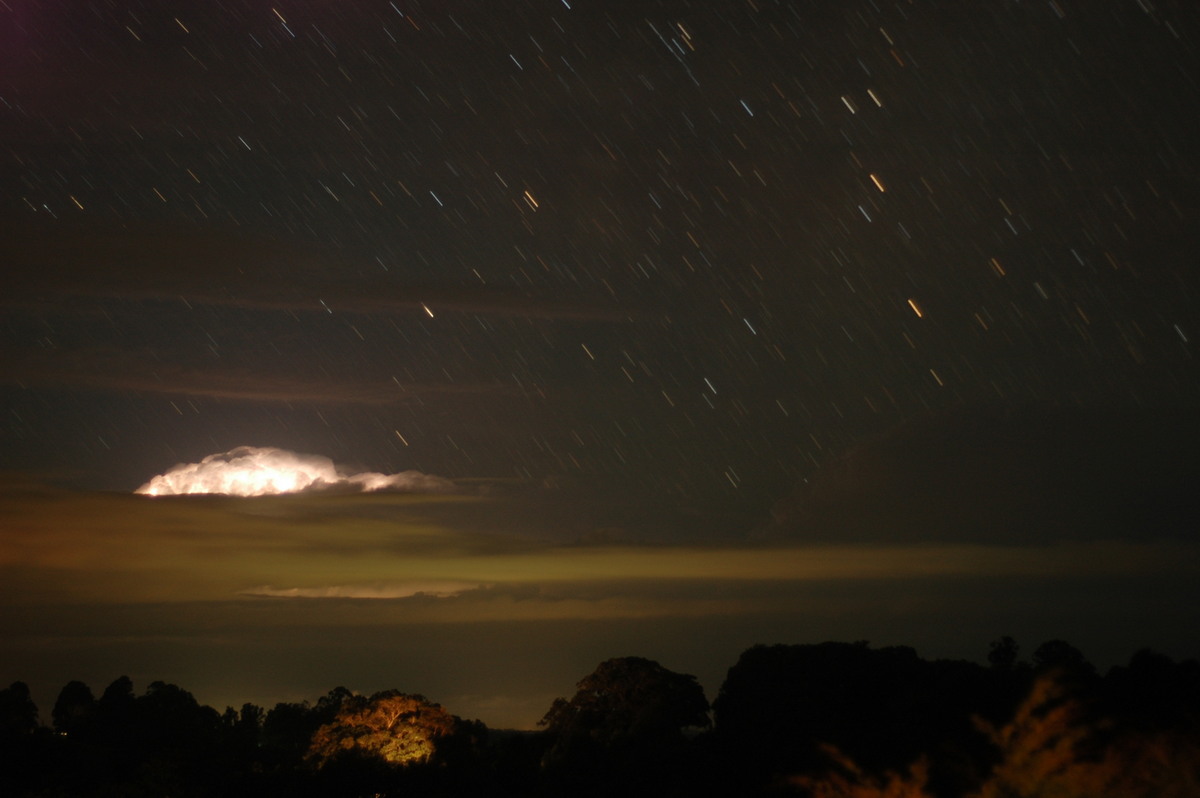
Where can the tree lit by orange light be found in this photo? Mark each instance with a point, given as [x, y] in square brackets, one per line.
[1049, 748]
[400, 729]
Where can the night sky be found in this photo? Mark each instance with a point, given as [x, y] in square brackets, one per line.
[732, 321]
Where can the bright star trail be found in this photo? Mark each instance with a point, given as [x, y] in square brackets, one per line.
[659, 328]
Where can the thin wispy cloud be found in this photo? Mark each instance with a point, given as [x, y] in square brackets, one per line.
[113, 548]
[141, 372]
[382, 590]
[61, 268]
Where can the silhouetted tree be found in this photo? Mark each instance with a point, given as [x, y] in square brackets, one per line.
[18, 713]
[780, 706]
[1154, 692]
[249, 722]
[120, 692]
[630, 699]
[1060, 654]
[115, 720]
[240, 735]
[628, 717]
[1065, 662]
[74, 708]
[23, 744]
[162, 742]
[332, 702]
[287, 731]
[171, 718]
[839, 720]
[1002, 653]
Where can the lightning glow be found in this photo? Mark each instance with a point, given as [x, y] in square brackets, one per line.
[266, 471]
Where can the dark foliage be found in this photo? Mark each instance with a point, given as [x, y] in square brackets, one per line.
[18, 713]
[882, 707]
[624, 729]
[834, 719]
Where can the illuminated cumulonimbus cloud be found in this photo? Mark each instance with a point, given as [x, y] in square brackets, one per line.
[266, 470]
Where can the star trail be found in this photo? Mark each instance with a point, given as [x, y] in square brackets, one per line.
[673, 271]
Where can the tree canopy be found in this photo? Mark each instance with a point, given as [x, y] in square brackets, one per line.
[832, 720]
[393, 726]
[630, 698]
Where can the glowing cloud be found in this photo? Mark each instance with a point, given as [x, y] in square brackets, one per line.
[266, 470]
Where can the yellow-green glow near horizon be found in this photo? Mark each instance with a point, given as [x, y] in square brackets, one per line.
[113, 548]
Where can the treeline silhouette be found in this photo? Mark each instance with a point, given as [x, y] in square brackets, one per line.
[826, 720]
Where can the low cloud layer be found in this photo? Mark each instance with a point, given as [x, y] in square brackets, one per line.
[267, 471]
[381, 590]
[73, 268]
[276, 598]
